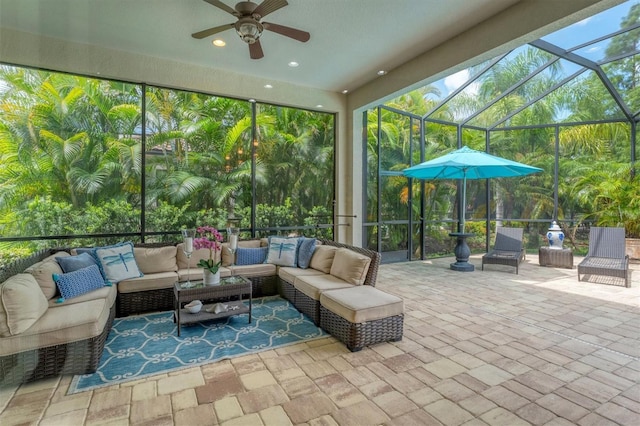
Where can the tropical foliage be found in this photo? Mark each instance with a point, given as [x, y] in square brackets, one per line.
[81, 160]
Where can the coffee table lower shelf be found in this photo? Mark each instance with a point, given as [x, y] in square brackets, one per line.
[187, 317]
[229, 287]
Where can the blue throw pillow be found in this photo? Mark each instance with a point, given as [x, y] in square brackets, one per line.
[306, 247]
[251, 256]
[76, 283]
[116, 262]
[73, 263]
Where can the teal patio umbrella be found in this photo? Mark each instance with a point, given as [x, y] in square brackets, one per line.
[466, 163]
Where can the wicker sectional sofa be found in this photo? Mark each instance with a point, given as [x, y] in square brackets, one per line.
[40, 337]
[163, 265]
[68, 338]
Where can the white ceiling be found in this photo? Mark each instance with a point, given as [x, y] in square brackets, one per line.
[350, 39]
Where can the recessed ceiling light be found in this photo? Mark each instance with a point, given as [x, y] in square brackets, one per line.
[268, 86]
[253, 101]
[319, 106]
[345, 91]
[218, 42]
[293, 64]
[382, 72]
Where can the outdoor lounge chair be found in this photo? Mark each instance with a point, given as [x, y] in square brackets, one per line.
[507, 249]
[606, 254]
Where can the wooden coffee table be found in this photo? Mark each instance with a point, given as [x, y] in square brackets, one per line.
[229, 287]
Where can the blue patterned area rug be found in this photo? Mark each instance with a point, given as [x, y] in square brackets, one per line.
[145, 345]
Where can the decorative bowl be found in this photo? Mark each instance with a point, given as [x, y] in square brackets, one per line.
[194, 306]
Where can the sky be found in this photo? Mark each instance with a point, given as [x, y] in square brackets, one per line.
[591, 28]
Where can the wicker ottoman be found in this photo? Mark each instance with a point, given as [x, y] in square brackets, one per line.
[362, 315]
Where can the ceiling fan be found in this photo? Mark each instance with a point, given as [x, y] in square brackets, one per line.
[249, 26]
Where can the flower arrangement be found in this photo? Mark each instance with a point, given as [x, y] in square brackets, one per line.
[209, 238]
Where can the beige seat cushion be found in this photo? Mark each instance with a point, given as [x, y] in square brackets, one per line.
[63, 324]
[289, 273]
[259, 270]
[322, 258]
[148, 282]
[195, 274]
[350, 266]
[107, 293]
[22, 303]
[151, 260]
[362, 303]
[313, 285]
[43, 272]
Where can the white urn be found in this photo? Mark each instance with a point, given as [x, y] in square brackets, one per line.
[555, 236]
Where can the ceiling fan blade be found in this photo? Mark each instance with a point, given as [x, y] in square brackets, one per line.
[211, 31]
[220, 5]
[268, 6]
[295, 34]
[255, 50]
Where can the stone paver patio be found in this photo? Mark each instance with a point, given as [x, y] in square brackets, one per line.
[479, 348]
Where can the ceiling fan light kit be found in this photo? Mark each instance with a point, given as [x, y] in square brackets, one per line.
[249, 30]
[249, 26]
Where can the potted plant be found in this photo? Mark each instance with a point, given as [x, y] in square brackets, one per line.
[211, 239]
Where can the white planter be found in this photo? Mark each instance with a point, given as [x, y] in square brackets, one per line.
[210, 278]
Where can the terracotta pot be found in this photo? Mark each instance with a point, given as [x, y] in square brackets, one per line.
[633, 249]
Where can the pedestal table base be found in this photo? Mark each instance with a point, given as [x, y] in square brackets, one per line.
[462, 252]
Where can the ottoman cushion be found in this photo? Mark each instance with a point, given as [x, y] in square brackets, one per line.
[362, 303]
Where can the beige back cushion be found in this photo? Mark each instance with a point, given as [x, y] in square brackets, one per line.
[151, 260]
[22, 303]
[350, 266]
[43, 273]
[322, 258]
[195, 256]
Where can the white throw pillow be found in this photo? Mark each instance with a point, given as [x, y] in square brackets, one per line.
[282, 251]
[117, 262]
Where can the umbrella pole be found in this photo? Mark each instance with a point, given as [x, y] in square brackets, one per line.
[462, 250]
[464, 201]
